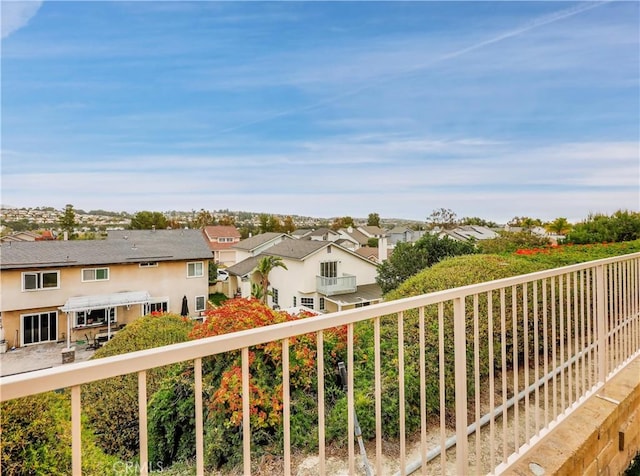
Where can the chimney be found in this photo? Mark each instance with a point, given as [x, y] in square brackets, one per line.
[382, 248]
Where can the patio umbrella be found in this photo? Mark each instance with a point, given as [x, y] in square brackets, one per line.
[185, 307]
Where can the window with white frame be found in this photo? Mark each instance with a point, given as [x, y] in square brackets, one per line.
[158, 305]
[36, 280]
[95, 274]
[329, 269]
[95, 317]
[39, 327]
[200, 303]
[225, 240]
[307, 302]
[274, 296]
[149, 264]
[321, 304]
[295, 301]
[195, 269]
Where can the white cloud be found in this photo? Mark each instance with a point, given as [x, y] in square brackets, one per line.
[16, 15]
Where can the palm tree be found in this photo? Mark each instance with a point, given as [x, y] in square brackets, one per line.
[265, 265]
[559, 226]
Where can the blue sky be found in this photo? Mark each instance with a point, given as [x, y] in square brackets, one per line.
[492, 109]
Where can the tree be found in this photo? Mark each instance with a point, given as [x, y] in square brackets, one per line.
[203, 218]
[68, 221]
[623, 225]
[265, 266]
[559, 226]
[213, 272]
[525, 222]
[373, 220]
[288, 226]
[444, 218]
[373, 242]
[342, 222]
[264, 222]
[408, 259]
[227, 220]
[274, 223]
[478, 222]
[146, 220]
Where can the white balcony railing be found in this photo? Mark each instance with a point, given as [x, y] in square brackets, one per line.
[337, 285]
[552, 339]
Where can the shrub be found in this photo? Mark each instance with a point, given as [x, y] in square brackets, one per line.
[36, 438]
[222, 389]
[623, 225]
[449, 273]
[408, 259]
[112, 404]
[509, 242]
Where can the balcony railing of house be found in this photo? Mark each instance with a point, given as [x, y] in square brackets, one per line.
[529, 350]
[337, 285]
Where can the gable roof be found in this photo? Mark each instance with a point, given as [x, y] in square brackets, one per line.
[130, 246]
[243, 267]
[321, 232]
[356, 235]
[213, 232]
[372, 230]
[254, 242]
[296, 249]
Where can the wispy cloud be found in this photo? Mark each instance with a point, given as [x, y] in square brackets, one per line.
[16, 15]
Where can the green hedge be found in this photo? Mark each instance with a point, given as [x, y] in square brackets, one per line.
[112, 404]
[36, 438]
[450, 273]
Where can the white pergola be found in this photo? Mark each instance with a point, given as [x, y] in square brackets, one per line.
[102, 301]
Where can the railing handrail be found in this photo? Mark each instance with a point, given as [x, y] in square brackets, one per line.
[69, 375]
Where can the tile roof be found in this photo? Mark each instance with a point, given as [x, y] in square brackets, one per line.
[213, 232]
[121, 246]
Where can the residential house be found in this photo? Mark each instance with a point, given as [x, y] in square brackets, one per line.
[323, 234]
[403, 234]
[69, 290]
[320, 275]
[254, 245]
[220, 240]
[469, 233]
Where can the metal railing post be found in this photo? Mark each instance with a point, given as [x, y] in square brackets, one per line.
[601, 324]
[460, 344]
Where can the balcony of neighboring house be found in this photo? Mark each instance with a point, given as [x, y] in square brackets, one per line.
[336, 285]
[470, 380]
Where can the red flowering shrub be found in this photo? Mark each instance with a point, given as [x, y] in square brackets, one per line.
[222, 381]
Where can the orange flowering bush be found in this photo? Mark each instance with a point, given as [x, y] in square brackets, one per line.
[222, 381]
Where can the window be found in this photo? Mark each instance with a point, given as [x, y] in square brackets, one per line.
[295, 301]
[95, 317]
[306, 302]
[95, 274]
[200, 303]
[329, 269]
[149, 264]
[274, 296]
[362, 304]
[225, 240]
[40, 280]
[42, 327]
[161, 305]
[195, 269]
[321, 304]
